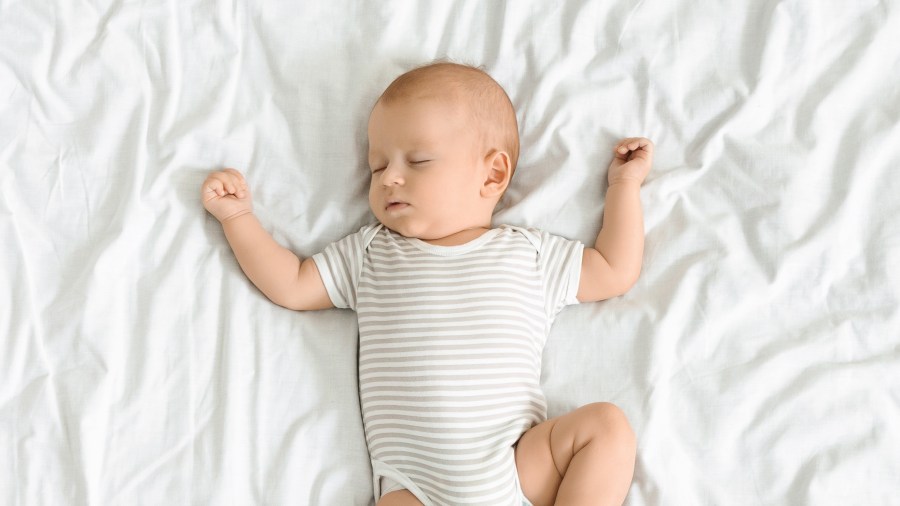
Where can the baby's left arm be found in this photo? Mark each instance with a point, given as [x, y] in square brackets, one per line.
[612, 266]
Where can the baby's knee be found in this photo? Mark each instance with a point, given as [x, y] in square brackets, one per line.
[609, 423]
[400, 497]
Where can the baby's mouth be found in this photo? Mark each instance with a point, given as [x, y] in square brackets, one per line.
[396, 205]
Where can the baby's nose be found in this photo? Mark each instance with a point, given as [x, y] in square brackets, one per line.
[391, 176]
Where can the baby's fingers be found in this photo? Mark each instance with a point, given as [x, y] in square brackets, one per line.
[227, 182]
[236, 184]
[634, 144]
[213, 185]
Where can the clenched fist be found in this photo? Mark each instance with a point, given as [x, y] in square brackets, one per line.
[632, 161]
[225, 195]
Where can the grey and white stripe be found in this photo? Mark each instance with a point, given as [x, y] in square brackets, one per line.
[450, 351]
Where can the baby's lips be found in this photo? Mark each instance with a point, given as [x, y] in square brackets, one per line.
[399, 203]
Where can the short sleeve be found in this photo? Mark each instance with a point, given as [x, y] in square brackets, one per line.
[341, 263]
[560, 265]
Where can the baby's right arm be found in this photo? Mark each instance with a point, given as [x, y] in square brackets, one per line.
[275, 270]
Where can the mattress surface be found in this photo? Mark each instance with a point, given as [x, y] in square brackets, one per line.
[757, 357]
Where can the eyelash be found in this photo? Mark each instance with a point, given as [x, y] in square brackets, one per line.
[417, 162]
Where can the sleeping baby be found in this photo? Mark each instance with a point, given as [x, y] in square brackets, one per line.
[454, 313]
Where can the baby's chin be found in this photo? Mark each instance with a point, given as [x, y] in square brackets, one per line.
[407, 229]
[406, 232]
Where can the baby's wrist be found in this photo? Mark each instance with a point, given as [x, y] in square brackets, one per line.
[626, 182]
[235, 216]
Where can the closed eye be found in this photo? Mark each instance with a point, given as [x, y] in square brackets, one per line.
[412, 162]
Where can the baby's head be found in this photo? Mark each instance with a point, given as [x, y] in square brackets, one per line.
[444, 141]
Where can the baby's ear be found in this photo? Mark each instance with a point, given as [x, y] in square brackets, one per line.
[498, 174]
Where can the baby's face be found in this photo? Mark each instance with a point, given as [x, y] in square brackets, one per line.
[426, 167]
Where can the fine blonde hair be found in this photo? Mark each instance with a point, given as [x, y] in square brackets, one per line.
[483, 98]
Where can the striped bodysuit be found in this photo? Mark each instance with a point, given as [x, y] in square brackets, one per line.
[450, 343]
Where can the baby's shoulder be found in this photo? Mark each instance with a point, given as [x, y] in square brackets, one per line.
[368, 232]
[358, 240]
[533, 235]
[542, 240]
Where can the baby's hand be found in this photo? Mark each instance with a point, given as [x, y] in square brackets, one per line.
[632, 162]
[225, 195]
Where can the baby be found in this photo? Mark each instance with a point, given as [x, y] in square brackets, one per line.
[453, 314]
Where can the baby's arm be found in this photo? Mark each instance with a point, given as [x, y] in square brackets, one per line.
[612, 266]
[275, 270]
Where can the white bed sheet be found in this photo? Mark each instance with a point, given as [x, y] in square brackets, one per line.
[758, 357]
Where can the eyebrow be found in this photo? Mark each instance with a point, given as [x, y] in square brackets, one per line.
[415, 146]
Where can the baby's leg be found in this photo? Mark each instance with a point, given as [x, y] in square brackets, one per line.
[583, 457]
[399, 498]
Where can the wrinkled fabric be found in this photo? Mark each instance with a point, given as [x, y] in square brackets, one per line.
[757, 357]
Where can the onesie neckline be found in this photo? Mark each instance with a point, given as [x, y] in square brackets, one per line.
[459, 249]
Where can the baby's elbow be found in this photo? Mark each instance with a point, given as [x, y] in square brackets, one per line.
[293, 301]
[634, 277]
[627, 280]
[280, 299]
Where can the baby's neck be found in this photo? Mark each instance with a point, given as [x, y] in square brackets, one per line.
[461, 237]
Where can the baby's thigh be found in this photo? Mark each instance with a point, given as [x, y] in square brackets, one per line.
[539, 476]
[544, 452]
